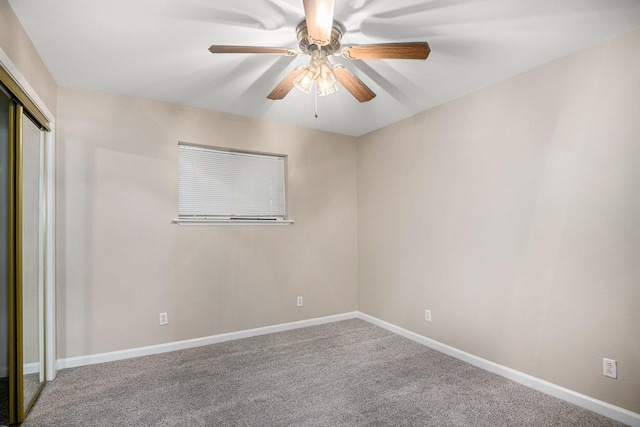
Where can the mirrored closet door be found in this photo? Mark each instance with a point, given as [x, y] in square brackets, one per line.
[4, 257]
[22, 259]
[30, 192]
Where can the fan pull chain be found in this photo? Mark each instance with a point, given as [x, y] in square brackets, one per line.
[315, 95]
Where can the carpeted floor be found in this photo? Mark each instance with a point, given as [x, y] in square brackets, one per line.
[4, 401]
[348, 373]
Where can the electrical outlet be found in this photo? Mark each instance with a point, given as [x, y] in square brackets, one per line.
[164, 318]
[609, 368]
[427, 315]
[299, 302]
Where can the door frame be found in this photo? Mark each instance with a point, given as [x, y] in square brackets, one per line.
[51, 366]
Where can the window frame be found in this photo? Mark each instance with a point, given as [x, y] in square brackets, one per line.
[237, 220]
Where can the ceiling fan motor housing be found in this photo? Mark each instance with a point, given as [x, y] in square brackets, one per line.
[308, 45]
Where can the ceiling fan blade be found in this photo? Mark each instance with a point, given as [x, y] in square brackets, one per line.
[354, 85]
[285, 86]
[252, 49]
[319, 17]
[411, 50]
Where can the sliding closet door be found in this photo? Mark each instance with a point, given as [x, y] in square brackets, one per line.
[22, 260]
[5, 102]
[22, 251]
[31, 244]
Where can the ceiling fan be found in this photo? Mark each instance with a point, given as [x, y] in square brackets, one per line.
[319, 37]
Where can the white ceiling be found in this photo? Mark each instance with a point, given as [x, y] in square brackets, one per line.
[158, 49]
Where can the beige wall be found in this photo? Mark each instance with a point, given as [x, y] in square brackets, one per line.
[513, 214]
[18, 47]
[121, 261]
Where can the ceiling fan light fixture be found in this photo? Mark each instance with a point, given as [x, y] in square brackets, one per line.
[326, 81]
[326, 90]
[318, 71]
[304, 80]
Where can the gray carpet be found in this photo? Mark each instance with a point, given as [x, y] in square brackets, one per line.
[347, 373]
[4, 401]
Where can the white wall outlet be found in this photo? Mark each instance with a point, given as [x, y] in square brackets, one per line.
[164, 318]
[427, 315]
[609, 368]
[299, 301]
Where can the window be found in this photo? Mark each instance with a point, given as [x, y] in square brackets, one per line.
[218, 185]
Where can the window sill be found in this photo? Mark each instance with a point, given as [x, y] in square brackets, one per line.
[209, 221]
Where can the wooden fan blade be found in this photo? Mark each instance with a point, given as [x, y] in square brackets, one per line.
[285, 86]
[319, 17]
[252, 49]
[418, 50]
[354, 85]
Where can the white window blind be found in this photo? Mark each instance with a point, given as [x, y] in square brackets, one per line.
[216, 183]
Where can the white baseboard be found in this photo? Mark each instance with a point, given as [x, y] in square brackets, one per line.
[603, 408]
[73, 362]
[29, 368]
